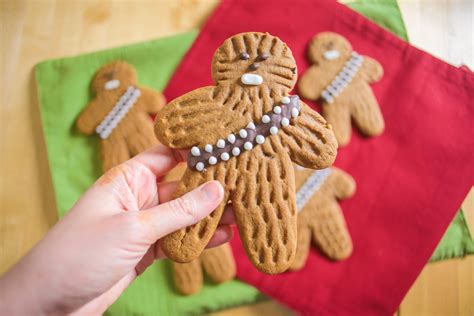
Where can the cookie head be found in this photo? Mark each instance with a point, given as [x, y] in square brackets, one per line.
[115, 75]
[329, 47]
[250, 60]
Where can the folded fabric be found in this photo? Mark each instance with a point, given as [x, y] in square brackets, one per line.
[64, 90]
[411, 180]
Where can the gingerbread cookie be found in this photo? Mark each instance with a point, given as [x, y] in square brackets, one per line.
[340, 78]
[119, 113]
[320, 217]
[218, 263]
[245, 131]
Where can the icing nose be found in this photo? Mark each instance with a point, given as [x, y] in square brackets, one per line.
[331, 54]
[251, 79]
[112, 84]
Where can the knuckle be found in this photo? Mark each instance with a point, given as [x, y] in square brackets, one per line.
[184, 206]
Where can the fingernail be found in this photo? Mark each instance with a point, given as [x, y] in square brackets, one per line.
[213, 190]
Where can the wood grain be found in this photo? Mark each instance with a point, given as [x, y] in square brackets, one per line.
[32, 31]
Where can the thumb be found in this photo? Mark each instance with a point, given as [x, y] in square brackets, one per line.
[184, 211]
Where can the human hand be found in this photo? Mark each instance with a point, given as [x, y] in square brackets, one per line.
[110, 236]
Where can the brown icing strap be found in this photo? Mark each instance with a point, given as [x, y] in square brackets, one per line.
[246, 138]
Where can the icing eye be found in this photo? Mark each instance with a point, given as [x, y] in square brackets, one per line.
[244, 56]
[263, 56]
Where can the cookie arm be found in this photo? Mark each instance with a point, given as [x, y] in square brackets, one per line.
[152, 101]
[90, 117]
[187, 120]
[343, 184]
[310, 140]
[371, 69]
[309, 86]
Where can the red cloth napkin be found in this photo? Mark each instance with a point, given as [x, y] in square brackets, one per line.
[411, 180]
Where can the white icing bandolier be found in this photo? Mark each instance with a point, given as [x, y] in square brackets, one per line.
[118, 112]
[311, 186]
[343, 78]
[245, 139]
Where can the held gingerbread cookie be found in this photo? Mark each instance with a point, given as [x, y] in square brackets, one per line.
[218, 263]
[245, 131]
[320, 217]
[340, 78]
[119, 114]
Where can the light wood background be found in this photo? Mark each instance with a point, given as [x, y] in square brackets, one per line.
[32, 31]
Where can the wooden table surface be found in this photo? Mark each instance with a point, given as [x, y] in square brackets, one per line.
[32, 31]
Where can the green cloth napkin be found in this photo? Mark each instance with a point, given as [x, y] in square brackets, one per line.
[64, 89]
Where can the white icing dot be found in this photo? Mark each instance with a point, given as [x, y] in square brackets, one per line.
[236, 151]
[251, 125]
[208, 148]
[285, 100]
[285, 121]
[260, 139]
[195, 151]
[295, 112]
[248, 146]
[243, 133]
[331, 54]
[277, 109]
[265, 119]
[273, 130]
[199, 166]
[212, 160]
[112, 84]
[220, 143]
[225, 156]
[231, 138]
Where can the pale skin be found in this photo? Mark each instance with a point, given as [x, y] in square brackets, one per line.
[108, 238]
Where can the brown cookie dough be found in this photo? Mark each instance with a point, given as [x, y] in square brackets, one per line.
[218, 263]
[320, 217]
[340, 78]
[119, 114]
[254, 74]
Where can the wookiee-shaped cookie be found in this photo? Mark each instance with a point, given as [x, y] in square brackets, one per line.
[218, 264]
[340, 78]
[245, 131]
[119, 114]
[320, 217]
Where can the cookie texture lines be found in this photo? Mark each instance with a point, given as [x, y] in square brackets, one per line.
[246, 138]
[120, 109]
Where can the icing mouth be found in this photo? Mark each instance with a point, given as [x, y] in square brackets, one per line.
[112, 84]
[332, 54]
[251, 79]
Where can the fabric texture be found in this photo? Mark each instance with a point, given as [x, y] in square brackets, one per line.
[411, 180]
[64, 90]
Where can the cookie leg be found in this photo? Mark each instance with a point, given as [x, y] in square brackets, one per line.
[366, 112]
[329, 230]
[187, 244]
[219, 263]
[265, 207]
[187, 277]
[339, 117]
[302, 249]
[114, 151]
[142, 139]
